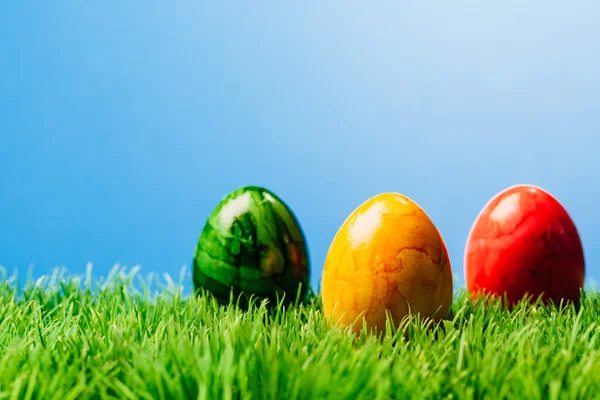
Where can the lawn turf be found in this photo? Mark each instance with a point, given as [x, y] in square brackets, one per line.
[67, 338]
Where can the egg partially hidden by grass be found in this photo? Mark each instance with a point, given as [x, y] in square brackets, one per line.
[524, 243]
[387, 256]
[252, 245]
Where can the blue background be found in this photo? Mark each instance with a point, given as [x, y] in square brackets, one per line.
[124, 123]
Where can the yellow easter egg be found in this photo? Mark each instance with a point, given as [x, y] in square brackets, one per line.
[387, 256]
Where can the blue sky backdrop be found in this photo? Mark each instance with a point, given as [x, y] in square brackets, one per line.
[124, 123]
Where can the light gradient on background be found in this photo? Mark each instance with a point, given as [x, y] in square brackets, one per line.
[124, 123]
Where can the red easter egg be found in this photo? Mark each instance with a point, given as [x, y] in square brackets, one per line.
[525, 243]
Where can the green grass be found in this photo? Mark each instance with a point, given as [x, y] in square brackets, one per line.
[65, 338]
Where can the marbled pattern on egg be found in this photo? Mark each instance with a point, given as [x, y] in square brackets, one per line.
[252, 244]
[524, 243]
[387, 256]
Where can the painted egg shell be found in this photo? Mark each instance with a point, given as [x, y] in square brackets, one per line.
[252, 245]
[524, 243]
[387, 256]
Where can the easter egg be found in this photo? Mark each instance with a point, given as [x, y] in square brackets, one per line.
[524, 243]
[252, 245]
[387, 257]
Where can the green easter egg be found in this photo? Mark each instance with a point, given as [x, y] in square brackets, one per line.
[252, 245]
